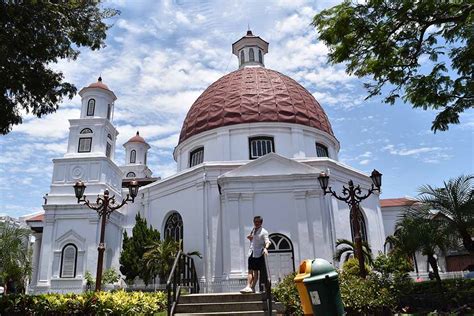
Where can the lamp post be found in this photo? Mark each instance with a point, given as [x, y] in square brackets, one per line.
[104, 206]
[352, 195]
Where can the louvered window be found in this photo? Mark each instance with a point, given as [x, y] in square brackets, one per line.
[84, 145]
[133, 156]
[109, 111]
[242, 57]
[251, 55]
[321, 150]
[260, 57]
[108, 150]
[68, 261]
[90, 107]
[260, 146]
[196, 157]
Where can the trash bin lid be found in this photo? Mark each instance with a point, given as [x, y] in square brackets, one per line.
[321, 266]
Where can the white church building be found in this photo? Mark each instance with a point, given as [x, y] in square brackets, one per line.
[253, 143]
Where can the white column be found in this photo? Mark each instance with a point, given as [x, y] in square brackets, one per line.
[46, 253]
[231, 231]
[246, 224]
[36, 258]
[305, 245]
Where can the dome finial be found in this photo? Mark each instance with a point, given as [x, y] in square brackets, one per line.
[100, 78]
[138, 133]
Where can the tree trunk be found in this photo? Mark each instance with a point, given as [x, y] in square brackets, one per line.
[467, 240]
[416, 263]
[433, 263]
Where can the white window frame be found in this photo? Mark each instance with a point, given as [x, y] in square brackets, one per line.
[196, 157]
[83, 142]
[71, 274]
[263, 145]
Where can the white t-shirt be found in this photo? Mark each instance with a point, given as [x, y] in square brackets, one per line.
[260, 239]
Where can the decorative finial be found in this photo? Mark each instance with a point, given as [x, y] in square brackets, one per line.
[100, 78]
[138, 133]
[249, 33]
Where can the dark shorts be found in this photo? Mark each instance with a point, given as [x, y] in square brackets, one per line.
[256, 263]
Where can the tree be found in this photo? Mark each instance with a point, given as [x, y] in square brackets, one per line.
[347, 247]
[160, 256]
[15, 256]
[34, 35]
[133, 249]
[425, 233]
[423, 49]
[456, 202]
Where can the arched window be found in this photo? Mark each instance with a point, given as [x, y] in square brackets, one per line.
[68, 261]
[321, 150]
[242, 57]
[109, 111]
[90, 107]
[280, 256]
[196, 157]
[362, 226]
[108, 150]
[131, 175]
[260, 56]
[174, 227]
[251, 55]
[260, 146]
[133, 156]
[86, 131]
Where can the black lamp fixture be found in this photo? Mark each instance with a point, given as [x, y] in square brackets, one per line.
[104, 206]
[352, 195]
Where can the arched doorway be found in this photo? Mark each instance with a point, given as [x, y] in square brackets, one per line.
[174, 227]
[280, 257]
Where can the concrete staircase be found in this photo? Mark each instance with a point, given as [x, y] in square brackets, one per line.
[222, 304]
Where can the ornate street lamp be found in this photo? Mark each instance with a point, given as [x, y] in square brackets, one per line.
[104, 206]
[353, 196]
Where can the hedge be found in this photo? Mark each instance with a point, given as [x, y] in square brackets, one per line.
[90, 303]
[373, 296]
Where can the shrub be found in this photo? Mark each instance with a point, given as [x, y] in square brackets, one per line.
[286, 293]
[455, 294]
[101, 303]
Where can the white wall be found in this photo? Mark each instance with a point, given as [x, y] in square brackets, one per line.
[230, 143]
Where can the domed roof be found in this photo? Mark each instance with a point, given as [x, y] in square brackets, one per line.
[253, 94]
[137, 139]
[99, 84]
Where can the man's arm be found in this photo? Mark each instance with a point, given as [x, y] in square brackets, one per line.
[267, 243]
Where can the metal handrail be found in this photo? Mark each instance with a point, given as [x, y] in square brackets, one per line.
[182, 274]
[266, 279]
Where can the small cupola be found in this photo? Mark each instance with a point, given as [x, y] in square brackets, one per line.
[136, 150]
[250, 50]
[97, 101]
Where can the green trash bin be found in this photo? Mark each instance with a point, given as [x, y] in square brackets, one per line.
[323, 289]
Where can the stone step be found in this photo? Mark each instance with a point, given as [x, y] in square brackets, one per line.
[220, 307]
[219, 298]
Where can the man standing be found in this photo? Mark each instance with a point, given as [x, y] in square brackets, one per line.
[259, 244]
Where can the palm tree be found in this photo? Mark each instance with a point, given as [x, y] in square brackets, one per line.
[15, 257]
[402, 246]
[418, 230]
[160, 256]
[456, 202]
[347, 251]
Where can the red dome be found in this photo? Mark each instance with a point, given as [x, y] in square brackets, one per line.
[99, 84]
[254, 94]
[137, 139]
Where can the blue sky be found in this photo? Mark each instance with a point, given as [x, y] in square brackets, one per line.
[161, 55]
